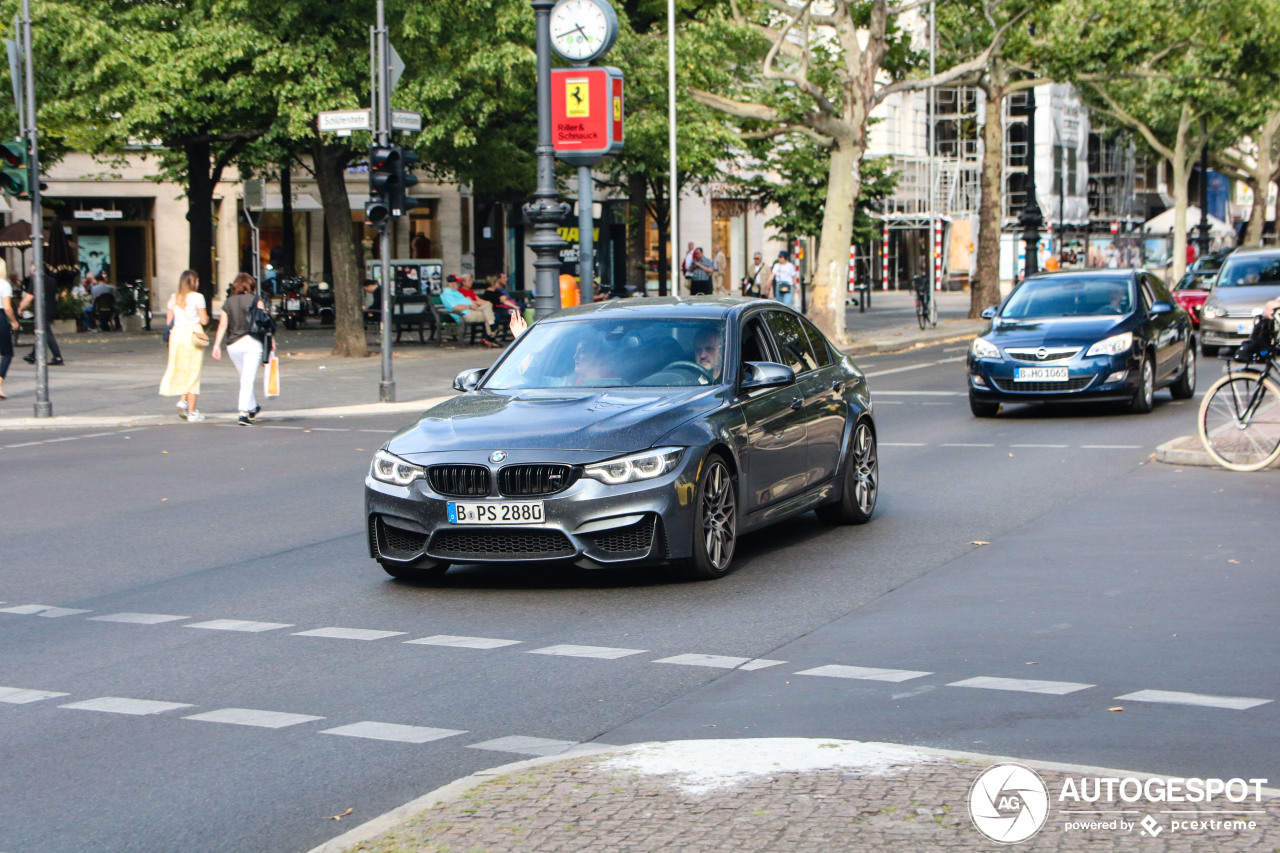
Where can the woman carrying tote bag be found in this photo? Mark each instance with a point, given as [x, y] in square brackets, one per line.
[186, 311]
[245, 350]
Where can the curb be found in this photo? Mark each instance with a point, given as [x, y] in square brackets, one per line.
[120, 421]
[1184, 450]
[455, 790]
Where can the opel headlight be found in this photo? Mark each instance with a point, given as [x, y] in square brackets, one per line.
[1113, 345]
[636, 467]
[392, 469]
[983, 348]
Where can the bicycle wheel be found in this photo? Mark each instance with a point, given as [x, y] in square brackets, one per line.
[922, 316]
[1240, 421]
[933, 310]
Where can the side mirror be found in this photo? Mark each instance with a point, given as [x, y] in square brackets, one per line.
[467, 380]
[765, 374]
[989, 312]
[1160, 307]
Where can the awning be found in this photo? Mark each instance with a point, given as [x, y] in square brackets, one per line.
[301, 202]
[1163, 224]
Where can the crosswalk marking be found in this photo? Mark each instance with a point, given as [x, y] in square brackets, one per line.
[252, 717]
[719, 661]
[391, 731]
[1231, 703]
[521, 745]
[463, 642]
[348, 633]
[238, 625]
[760, 663]
[45, 610]
[19, 696]
[603, 652]
[868, 673]
[138, 618]
[121, 705]
[1022, 685]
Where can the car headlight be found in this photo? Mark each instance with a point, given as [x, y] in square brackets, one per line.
[635, 467]
[1212, 311]
[983, 348]
[392, 469]
[1113, 345]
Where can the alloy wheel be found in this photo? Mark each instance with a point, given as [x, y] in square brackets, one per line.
[719, 516]
[865, 466]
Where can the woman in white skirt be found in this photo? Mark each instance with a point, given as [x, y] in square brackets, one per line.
[244, 349]
[186, 311]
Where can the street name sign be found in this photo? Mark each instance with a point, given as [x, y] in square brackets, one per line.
[406, 120]
[344, 120]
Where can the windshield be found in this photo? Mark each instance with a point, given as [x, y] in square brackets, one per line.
[595, 352]
[1246, 272]
[1076, 296]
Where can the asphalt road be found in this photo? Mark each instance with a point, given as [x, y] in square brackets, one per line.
[213, 566]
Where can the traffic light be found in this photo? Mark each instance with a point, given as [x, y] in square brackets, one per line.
[384, 163]
[15, 177]
[401, 203]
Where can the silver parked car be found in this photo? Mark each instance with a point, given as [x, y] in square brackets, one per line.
[1248, 278]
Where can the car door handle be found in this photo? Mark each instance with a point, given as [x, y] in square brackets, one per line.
[797, 402]
[837, 385]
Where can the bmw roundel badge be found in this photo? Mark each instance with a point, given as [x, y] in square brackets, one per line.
[497, 456]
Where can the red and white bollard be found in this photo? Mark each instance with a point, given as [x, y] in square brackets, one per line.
[853, 270]
[884, 259]
[937, 255]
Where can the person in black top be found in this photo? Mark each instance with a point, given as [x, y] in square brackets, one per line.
[50, 313]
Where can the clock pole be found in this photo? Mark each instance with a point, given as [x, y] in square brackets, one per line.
[546, 210]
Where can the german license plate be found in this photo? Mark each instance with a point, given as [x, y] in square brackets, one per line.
[1244, 328]
[292, 304]
[1040, 374]
[496, 512]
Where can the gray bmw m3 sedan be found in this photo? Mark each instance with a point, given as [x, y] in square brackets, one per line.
[638, 431]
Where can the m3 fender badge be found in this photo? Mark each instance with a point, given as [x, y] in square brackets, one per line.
[497, 456]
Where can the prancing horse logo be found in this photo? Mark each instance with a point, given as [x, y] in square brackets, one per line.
[497, 456]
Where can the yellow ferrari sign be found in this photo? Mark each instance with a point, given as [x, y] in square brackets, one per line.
[577, 97]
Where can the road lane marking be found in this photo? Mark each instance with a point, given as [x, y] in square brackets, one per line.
[907, 367]
[1046, 446]
[19, 696]
[238, 625]
[138, 618]
[69, 438]
[463, 642]
[959, 444]
[526, 745]
[1231, 703]
[602, 652]
[1111, 446]
[46, 610]
[252, 717]
[867, 673]
[1022, 685]
[760, 663]
[902, 444]
[718, 661]
[371, 730]
[879, 393]
[348, 633]
[121, 705]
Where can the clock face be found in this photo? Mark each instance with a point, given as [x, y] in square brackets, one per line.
[582, 29]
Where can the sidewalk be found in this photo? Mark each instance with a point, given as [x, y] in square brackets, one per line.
[770, 795]
[113, 379]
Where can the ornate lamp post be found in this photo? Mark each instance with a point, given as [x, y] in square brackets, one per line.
[546, 210]
[1031, 219]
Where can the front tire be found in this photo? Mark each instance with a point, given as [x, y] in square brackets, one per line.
[715, 532]
[982, 409]
[861, 484]
[1144, 399]
[1208, 350]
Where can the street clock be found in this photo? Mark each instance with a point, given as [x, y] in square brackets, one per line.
[583, 30]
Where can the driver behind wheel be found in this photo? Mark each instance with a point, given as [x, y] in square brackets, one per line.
[706, 352]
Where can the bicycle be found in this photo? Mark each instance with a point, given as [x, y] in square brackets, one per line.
[926, 305]
[1239, 418]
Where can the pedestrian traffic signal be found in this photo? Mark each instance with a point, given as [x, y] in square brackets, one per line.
[401, 203]
[384, 163]
[15, 176]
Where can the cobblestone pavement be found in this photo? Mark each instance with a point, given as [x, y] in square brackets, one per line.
[591, 803]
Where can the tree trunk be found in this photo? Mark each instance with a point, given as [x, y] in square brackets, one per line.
[985, 288]
[348, 304]
[200, 217]
[844, 184]
[1257, 211]
[288, 243]
[637, 234]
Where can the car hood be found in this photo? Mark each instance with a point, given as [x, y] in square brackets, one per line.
[605, 419]
[1256, 294]
[1056, 331]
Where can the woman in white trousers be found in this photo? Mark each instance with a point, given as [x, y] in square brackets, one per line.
[244, 349]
